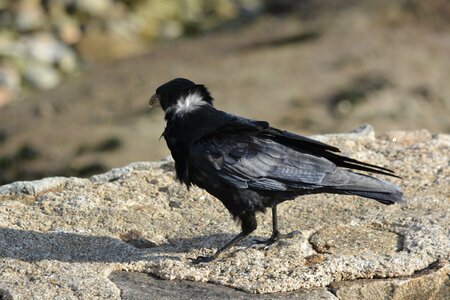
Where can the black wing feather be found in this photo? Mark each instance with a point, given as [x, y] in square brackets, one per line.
[300, 140]
[249, 153]
[318, 148]
[259, 163]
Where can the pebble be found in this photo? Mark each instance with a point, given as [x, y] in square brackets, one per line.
[29, 16]
[68, 31]
[41, 76]
[44, 48]
[95, 8]
[9, 83]
[9, 77]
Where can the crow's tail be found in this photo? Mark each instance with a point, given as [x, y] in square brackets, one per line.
[368, 187]
[383, 197]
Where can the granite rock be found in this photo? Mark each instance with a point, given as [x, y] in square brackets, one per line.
[431, 283]
[78, 238]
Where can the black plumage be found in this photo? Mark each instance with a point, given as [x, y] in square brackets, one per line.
[249, 165]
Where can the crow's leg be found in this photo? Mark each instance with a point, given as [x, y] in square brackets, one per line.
[276, 235]
[248, 226]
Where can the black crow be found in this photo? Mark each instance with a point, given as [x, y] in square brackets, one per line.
[249, 165]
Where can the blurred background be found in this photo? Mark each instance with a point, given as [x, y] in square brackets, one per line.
[76, 75]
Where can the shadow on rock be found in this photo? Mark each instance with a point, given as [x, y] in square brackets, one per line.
[33, 246]
[30, 245]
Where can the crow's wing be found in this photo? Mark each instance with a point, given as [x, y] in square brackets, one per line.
[299, 140]
[321, 149]
[300, 143]
[236, 123]
[245, 160]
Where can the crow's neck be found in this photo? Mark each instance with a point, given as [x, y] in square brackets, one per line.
[184, 129]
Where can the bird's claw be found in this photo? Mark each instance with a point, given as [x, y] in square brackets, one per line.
[291, 234]
[274, 239]
[202, 259]
[265, 245]
[267, 242]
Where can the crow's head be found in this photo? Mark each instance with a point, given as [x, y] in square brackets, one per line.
[181, 95]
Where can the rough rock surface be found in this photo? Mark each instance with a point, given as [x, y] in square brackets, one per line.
[75, 238]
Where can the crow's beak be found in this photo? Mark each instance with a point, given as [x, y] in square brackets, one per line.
[154, 100]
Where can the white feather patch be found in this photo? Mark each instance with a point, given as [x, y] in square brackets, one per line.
[189, 103]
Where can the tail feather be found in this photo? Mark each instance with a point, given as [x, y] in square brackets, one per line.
[366, 186]
[385, 198]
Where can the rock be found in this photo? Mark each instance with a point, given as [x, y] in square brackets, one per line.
[35, 187]
[9, 77]
[352, 240]
[71, 237]
[8, 45]
[29, 15]
[409, 138]
[226, 9]
[95, 8]
[67, 61]
[151, 15]
[43, 52]
[142, 286]
[9, 83]
[41, 76]
[45, 49]
[68, 30]
[98, 45]
[363, 131]
[118, 173]
[431, 283]
[171, 29]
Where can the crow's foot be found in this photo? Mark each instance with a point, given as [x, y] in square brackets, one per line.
[202, 259]
[274, 238]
